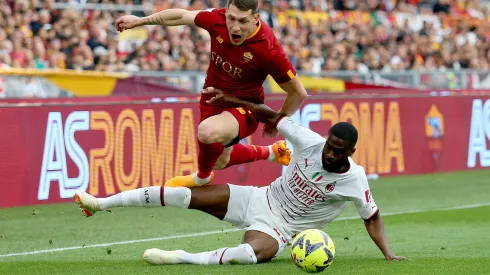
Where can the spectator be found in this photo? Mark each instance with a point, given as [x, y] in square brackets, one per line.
[317, 35]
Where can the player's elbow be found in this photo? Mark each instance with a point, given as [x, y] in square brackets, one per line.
[295, 88]
[300, 90]
[375, 217]
[188, 18]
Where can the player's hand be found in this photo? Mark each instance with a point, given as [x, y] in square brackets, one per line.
[269, 131]
[395, 258]
[218, 96]
[127, 22]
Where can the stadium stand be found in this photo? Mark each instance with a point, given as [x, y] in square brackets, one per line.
[318, 35]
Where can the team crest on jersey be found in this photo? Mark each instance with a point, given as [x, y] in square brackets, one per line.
[330, 187]
[220, 40]
[247, 56]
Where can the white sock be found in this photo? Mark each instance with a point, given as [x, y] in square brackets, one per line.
[148, 197]
[271, 154]
[143, 197]
[200, 181]
[176, 196]
[242, 254]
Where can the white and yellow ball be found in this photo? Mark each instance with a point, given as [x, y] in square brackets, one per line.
[312, 250]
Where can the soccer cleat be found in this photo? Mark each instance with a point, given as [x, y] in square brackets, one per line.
[282, 154]
[157, 256]
[88, 203]
[188, 181]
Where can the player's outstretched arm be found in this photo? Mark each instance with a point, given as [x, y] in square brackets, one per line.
[376, 229]
[169, 17]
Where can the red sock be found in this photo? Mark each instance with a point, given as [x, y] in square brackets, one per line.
[242, 153]
[207, 157]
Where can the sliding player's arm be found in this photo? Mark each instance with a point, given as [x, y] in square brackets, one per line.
[300, 137]
[376, 229]
[169, 17]
[369, 212]
[261, 112]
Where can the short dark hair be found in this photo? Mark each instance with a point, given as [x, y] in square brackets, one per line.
[245, 5]
[345, 131]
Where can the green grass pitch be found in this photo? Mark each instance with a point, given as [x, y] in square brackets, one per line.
[441, 222]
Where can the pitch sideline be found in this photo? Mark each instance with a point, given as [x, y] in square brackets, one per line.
[61, 249]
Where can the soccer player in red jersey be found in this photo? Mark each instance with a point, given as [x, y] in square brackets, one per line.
[244, 50]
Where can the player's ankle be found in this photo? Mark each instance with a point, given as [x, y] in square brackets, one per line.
[203, 178]
[203, 175]
[271, 156]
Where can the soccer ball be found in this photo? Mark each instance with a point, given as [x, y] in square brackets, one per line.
[312, 250]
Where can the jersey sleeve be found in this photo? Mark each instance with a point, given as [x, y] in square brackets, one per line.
[300, 137]
[365, 204]
[206, 19]
[278, 65]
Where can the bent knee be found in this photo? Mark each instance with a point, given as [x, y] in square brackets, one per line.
[265, 246]
[265, 255]
[208, 133]
[221, 128]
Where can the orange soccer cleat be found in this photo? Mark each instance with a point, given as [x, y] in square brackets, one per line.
[282, 154]
[188, 181]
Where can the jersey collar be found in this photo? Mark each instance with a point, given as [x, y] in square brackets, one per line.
[256, 31]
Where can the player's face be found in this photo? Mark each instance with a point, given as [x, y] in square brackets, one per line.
[335, 152]
[240, 24]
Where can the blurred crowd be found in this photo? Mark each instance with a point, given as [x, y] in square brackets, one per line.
[317, 35]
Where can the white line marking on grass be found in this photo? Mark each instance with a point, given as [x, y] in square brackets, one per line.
[61, 249]
[467, 206]
[117, 243]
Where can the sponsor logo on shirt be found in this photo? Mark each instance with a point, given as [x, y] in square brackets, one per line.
[303, 192]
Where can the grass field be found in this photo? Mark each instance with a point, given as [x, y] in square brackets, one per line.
[441, 222]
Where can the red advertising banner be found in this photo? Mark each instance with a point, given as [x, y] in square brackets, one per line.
[49, 152]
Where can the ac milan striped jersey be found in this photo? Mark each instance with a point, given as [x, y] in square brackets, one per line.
[306, 195]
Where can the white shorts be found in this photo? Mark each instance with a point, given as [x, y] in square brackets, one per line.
[248, 208]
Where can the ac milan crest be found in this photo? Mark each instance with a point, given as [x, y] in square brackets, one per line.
[330, 187]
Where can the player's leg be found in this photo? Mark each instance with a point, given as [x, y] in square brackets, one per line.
[261, 242]
[212, 133]
[211, 199]
[258, 247]
[216, 134]
[216, 200]
[244, 153]
[264, 245]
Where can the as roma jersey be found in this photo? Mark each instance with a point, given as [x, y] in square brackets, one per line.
[241, 70]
